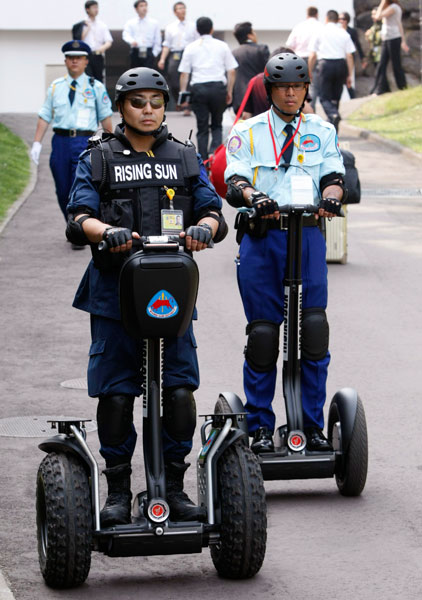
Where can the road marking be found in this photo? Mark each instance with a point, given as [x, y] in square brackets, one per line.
[5, 592]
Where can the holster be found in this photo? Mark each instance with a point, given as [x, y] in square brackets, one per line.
[254, 227]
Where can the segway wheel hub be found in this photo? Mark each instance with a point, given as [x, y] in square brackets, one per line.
[296, 441]
[158, 510]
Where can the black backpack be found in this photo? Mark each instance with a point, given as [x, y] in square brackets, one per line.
[351, 178]
[77, 30]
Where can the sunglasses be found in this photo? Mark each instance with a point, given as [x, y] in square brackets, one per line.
[140, 102]
[296, 87]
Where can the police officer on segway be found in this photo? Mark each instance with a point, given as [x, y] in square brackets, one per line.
[265, 155]
[139, 181]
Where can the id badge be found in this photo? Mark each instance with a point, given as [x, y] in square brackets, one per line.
[83, 118]
[171, 221]
[301, 188]
[142, 53]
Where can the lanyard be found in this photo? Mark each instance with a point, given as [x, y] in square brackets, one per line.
[278, 157]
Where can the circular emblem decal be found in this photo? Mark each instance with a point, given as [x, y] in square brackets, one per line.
[296, 441]
[158, 510]
[310, 143]
[106, 99]
[88, 93]
[234, 144]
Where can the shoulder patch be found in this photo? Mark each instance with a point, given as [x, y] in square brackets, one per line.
[105, 98]
[234, 144]
[310, 143]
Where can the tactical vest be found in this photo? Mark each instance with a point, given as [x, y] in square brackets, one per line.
[132, 187]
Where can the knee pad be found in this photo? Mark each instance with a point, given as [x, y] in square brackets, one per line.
[179, 413]
[114, 419]
[261, 351]
[315, 333]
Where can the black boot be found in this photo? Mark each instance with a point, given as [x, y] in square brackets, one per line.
[117, 507]
[181, 506]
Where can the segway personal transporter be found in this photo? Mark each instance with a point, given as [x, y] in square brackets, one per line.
[158, 289]
[347, 431]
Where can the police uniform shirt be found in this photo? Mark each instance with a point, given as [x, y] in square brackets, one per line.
[315, 151]
[97, 292]
[332, 42]
[90, 106]
[145, 32]
[208, 60]
[97, 35]
[179, 34]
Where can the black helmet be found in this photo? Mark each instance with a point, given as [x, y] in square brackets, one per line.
[141, 78]
[285, 68]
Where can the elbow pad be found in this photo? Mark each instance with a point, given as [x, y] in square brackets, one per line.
[75, 232]
[234, 194]
[334, 179]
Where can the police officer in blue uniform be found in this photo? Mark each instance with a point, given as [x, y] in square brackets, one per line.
[264, 154]
[121, 191]
[75, 104]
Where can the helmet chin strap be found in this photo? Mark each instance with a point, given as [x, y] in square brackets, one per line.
[154, 133]
[286, 114]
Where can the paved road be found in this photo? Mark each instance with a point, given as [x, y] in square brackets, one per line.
[320, 545]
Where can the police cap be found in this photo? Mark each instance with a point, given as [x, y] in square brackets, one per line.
[76, 48]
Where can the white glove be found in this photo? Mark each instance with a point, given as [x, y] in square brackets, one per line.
[35, 152]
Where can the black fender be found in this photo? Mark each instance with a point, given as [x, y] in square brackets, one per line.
[61, 443]
[344, 403]
[236, 406]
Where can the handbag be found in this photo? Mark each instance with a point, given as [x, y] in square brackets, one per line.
[217, 163]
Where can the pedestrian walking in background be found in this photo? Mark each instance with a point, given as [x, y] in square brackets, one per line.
[143, 36]
[251, 57]
[212, 68]
[373, 35]
[75, 104]
[344, 20]
[392, 37]
[95, 33]
[333, 47]
[177, 36]
[299, 41]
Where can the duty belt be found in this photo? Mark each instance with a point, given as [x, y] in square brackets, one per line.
[73, 132]
[282, 223]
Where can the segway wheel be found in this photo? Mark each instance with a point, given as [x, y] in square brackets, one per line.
[64, 521]
[240, 551]
[353, 464]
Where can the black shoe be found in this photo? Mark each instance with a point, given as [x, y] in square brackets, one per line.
[77, 247]
[316, 440]
[181, 506]
[117, 507]
[262, 441]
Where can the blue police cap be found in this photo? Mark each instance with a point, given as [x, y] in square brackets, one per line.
[76, 48]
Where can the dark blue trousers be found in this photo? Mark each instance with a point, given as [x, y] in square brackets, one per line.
[115, 361]
[260, 277]
[63, 162]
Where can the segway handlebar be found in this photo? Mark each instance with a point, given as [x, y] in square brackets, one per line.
[286, 209]
[151, 241]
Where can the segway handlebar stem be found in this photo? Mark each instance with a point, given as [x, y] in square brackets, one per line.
[151, 242]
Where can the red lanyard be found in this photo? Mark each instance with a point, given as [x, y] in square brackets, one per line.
[278, 157]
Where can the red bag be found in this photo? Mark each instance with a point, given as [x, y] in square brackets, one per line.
[217, 163]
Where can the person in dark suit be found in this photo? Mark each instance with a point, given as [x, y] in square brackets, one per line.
[252, 58]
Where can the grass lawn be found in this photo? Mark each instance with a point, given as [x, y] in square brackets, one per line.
[396, 116]
[14, 169]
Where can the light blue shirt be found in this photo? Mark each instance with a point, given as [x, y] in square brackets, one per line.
[315, 151]
[90, 106]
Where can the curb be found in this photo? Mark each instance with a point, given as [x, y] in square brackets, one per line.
[21, 201]
[366, 134]
[5, 592]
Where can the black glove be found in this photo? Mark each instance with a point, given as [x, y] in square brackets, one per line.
[262, 204]
[201, 233]
[331, 205]
[117, 236]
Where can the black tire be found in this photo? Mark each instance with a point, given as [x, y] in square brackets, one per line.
[353, 464]
[240, 551]
[64, 521]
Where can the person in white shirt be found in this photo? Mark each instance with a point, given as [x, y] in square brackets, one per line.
[213, 70]
[177, 36]
[143, 36]
[333, 47]
[299, 41]
[95, 33]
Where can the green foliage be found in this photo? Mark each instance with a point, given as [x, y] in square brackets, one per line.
[14, 169]
[396, 116]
